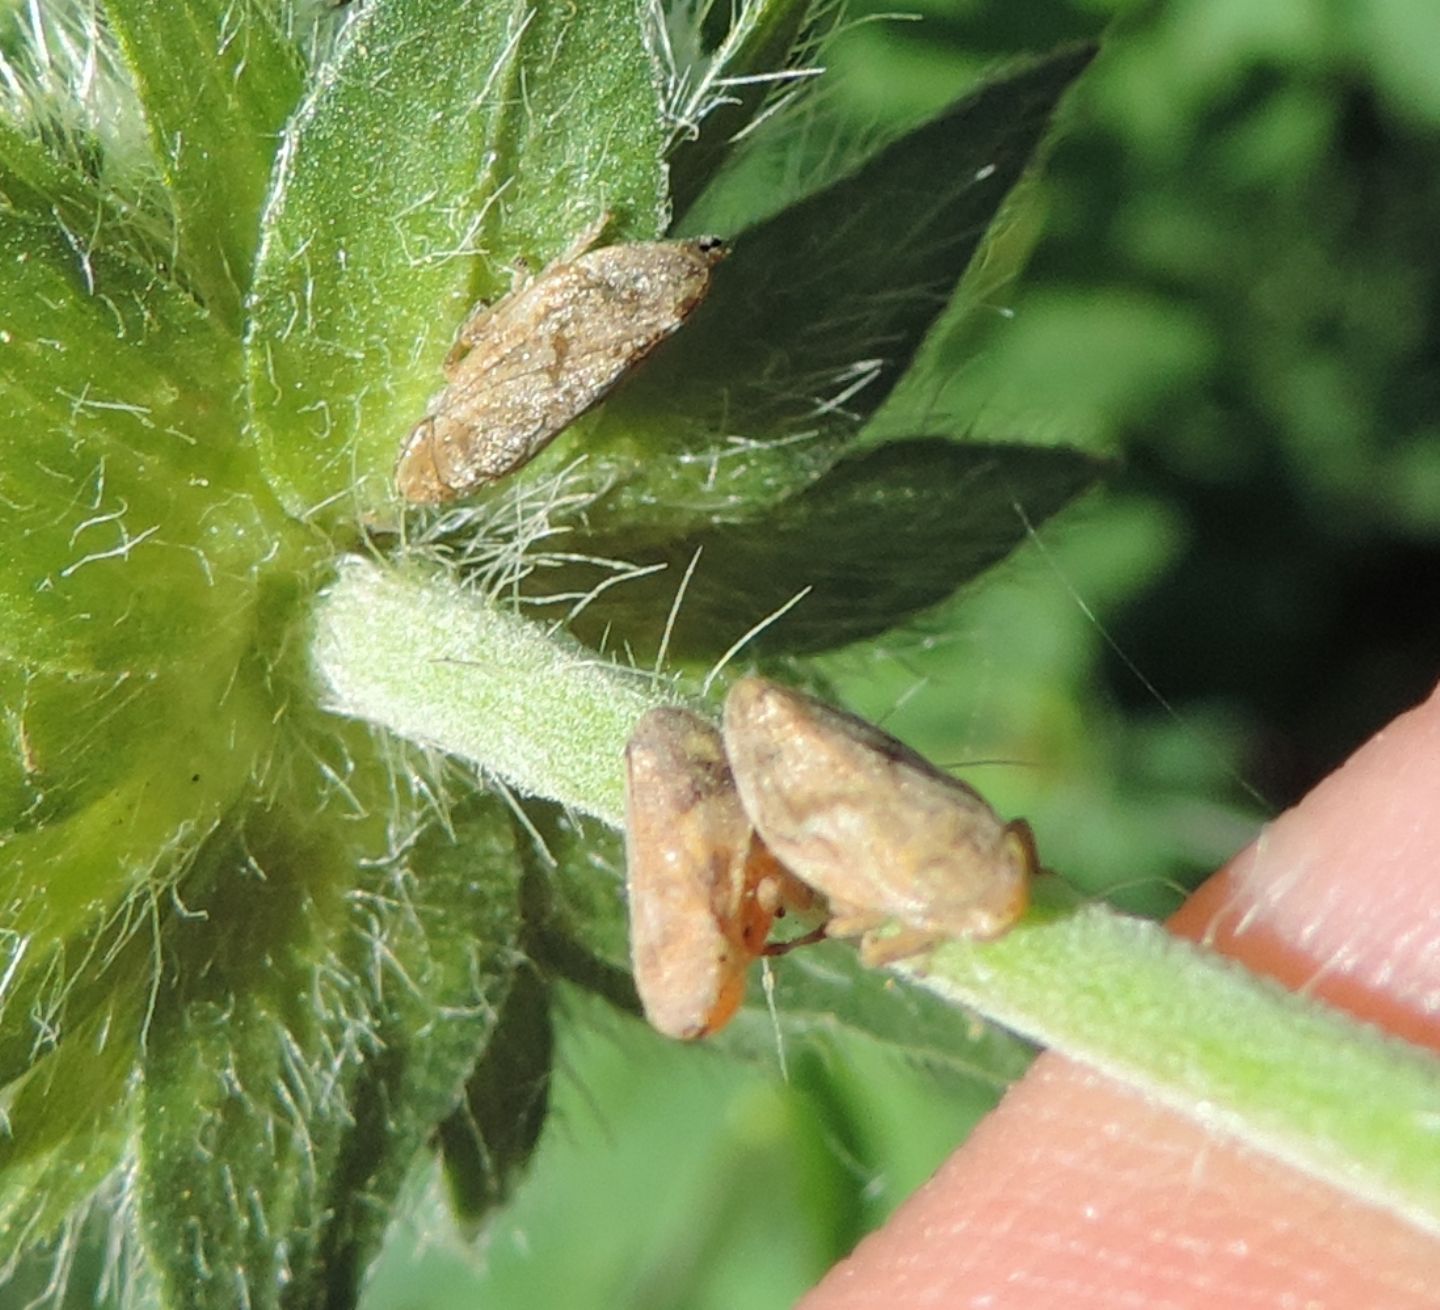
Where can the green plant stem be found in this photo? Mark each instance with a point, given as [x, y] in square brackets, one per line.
[1334, 1097]
[412, 651]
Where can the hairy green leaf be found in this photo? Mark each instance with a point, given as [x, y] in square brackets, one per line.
[67, 1125]
[38, 184]
[717, 93]
[218, 79]
[443, 111]
[308, 1037]
[117, 444]
[882, 536]
[588, 137]
[130, 622]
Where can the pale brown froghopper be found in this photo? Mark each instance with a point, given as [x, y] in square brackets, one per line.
[525, 368]
[704, 891]
[875, 827]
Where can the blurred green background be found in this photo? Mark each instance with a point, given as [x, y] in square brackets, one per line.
[1226, 277]
[1232, 287]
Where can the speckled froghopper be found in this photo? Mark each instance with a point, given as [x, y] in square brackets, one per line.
[526, 367]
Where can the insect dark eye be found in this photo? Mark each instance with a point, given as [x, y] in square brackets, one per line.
[706, 244]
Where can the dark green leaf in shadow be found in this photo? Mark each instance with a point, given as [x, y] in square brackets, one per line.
[884, 535]
[218, 79]
[390, 210]
[670, 1178]
[817, 313]
[308, 1037]
[826, 989]
[576, 919]
[489, 1138]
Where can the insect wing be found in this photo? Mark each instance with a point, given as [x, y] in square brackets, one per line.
[545, 354]
[870, 823]
[686, 846]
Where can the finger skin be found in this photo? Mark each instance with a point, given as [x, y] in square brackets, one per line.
[1076, 1192]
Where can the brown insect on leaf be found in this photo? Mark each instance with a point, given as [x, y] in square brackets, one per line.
[875, 827]
[704, 891]
[525, 368]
